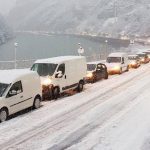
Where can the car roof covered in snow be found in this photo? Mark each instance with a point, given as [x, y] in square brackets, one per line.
[143, 50]
[140, 53]
[132, 55]
[9, 76]
[57, 60]
[118, 54]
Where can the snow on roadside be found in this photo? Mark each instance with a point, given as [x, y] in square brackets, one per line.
[22, 124]
[127, 131]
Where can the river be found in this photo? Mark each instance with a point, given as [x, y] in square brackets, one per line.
[35, 46]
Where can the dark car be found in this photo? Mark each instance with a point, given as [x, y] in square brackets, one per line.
[148, 54]
[96, 71]
[143, 58]
[134, 61]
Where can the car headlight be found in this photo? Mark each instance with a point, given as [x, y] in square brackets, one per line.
[89, 75]
[116, 68]
[133, 63]
[46, 82]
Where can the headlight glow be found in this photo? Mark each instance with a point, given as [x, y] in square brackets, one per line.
[46, 82]
[142, 59]
[133, 63]
[116, 68]
[89, 75]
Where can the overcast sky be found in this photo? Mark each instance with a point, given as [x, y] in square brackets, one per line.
[6, 5]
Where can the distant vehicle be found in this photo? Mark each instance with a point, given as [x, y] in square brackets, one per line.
[143, 58]
[134, 61]
[117, 63]
[96, 71]
[19, 89]
[60, 74]
[147, 53]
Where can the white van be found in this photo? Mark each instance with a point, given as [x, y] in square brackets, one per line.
[60, 74]
[19, 89]
[117, 63]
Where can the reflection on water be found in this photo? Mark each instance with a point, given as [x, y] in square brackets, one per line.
[31, 46]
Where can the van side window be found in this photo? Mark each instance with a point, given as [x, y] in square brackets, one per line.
[61, 68]
[104, 67]
[99, 67]
[15, 89]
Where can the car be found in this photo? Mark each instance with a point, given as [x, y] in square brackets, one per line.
[117, 63]
[143, 58]
[96, 71]
[147, 53]
[19, 89]
[61, 74]
[134, 61]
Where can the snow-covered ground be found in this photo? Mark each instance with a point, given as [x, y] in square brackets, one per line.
[111, 114]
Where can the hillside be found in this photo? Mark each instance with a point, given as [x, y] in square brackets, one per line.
[75, 16]
[5, 31]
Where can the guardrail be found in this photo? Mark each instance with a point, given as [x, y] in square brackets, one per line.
[20, 64]
[28, 63]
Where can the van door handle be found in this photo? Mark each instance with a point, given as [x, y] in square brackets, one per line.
[21, 96]
[65, 77]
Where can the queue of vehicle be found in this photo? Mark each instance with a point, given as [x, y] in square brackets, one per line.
[49, 78]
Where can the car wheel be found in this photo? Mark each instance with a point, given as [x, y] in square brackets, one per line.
[120, 72]
[94, 79]
[80, 86]
[127, 68]
[56, 93]
[37, 103]
[106, 76]
[3, 115]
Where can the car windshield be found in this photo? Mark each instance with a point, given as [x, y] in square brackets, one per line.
[91, 67]
[132, 58]
[141, 55]
[114, 59]
[148, 53]
[44, 69]
[3, 88]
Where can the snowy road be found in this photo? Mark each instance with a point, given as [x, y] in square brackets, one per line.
[109, 115]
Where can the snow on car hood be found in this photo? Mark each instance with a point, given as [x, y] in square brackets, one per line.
[89, 72]
[44, 78]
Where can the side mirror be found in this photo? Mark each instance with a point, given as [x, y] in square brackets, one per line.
[59, 74]
[98, 70]
[12, 93]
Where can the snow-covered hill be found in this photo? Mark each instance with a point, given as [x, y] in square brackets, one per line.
[75, 16]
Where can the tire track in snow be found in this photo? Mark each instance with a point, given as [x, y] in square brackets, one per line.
[77, 136]
[67, 117]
